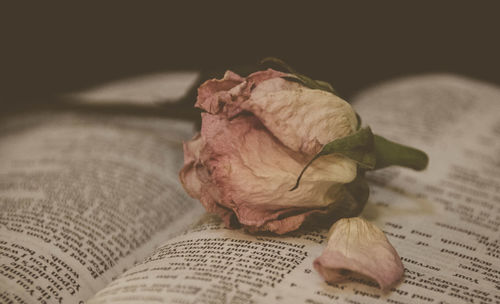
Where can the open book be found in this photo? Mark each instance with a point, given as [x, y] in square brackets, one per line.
[91, 210]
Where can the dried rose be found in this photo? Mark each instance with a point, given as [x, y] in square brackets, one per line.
[355, 245]
[262, 135]
[257, 134]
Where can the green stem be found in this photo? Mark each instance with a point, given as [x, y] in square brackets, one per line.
[389, 153]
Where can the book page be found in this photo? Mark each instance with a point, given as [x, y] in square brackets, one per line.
[148, 89]
[443, 222]
[212, 264]
[83, 198]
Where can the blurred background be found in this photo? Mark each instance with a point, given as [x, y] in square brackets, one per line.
[51, 49]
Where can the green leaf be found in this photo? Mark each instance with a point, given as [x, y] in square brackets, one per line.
[389, 153]
[325, 86]
[358, 147]
[297, 77]
[310, 83]
[278, 62]
[302, 80]
[358, 118]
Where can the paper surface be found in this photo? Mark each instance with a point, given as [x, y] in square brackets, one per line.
[83, 198]
[147, 89]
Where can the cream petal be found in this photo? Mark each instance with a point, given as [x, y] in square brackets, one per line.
[333, 167]
[274, 85]
[359, 246]
[302, 119]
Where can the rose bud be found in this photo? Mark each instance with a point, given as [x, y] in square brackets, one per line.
[264, 134]
[355, 245]
[257, 135]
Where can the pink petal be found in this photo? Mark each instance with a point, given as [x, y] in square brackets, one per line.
[226, 94]
[213, 93]
[359, 246]
[251, 167]
[253, 173]
[187, 175]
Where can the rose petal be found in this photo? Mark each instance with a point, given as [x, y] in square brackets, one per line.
[281, 226]
[213, 93]
[302, 119]
[251, 167]
[333, 167]
[187, 175]
[192, 149]
[260, 76]
[226, 94]
[359, 246]
[274, 85]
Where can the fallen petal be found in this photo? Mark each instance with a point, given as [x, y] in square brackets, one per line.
[356, 245]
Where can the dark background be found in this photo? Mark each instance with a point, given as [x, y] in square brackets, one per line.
[49, 49]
